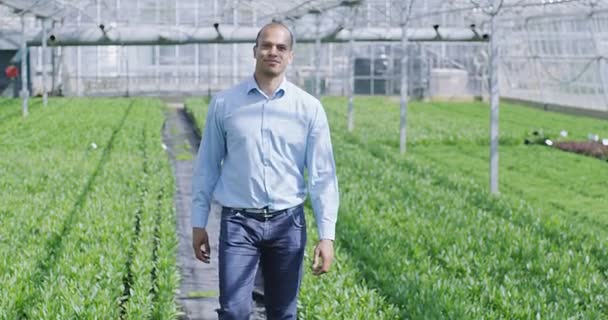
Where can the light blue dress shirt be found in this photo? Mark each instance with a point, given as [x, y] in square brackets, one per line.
[255, 149]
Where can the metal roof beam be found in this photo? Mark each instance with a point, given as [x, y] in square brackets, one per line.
[152, 35]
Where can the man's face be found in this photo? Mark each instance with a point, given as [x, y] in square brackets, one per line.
[273, 52]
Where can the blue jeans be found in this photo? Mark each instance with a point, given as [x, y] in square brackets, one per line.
[277, 244]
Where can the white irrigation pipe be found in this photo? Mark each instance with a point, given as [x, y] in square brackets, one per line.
[156, 35]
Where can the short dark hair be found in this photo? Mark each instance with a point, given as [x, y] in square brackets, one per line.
[276, 23]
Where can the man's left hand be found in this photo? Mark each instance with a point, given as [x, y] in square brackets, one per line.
[323, 257]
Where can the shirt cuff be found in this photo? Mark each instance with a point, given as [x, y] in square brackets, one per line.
[327, 232]
[199, 220]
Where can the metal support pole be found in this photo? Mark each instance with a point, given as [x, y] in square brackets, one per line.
[197, 63]
[318, 56]
[58, 66]
[372, 69]
[60, 69]
[121, 56]
[97, 48]
[24, 90]
[389, 22]
[45, 97]
[235, 52]
[215, 49]
[157, 49]
[78, 71]
[391, 67]
[216, 70]
[125, 51]
[351, 81]
[79, 62]
[53, 65]
[330, 66]
[424, 65]
[443, 58]
[157, 67]
[178, 67]
[403, 100]
[494, 105]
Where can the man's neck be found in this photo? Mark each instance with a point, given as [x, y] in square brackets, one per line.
[268, 84]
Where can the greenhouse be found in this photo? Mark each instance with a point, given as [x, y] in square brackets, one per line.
[470, 141]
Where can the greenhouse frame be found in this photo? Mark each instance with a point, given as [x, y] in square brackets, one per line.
[552, 52]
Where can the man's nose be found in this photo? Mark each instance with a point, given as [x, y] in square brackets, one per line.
[273, 50]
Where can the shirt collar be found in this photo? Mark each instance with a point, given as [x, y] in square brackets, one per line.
[251, 85]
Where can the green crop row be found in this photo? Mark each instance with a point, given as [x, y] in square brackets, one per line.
[461, 123]
[561, 184]
[441, 248]
[430, 242]
[459, 252]
[87, 218]
[197, 107]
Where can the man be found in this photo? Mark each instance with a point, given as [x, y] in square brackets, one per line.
[259, 137]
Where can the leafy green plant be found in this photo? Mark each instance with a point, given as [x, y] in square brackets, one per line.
[420, 236]
[87, 217]
[432, 240]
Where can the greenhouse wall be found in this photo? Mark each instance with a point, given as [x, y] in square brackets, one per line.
[548, 59]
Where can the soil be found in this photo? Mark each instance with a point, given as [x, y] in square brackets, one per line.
[199, 286]
[589, 148]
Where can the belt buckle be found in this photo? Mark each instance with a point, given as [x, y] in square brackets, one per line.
[266, 214]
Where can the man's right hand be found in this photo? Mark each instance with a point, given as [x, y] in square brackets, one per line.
[200, 244]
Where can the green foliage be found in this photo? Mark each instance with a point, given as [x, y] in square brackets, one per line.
[87, 223]
[198, 107]
[432, 240]
[537, 137]
[556, 183]
[184, 152]
[420, 237]
[203, 294]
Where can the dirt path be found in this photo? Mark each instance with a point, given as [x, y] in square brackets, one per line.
[199, 287]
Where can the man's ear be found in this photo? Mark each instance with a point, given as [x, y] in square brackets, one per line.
[255, 47]
[291, 54]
